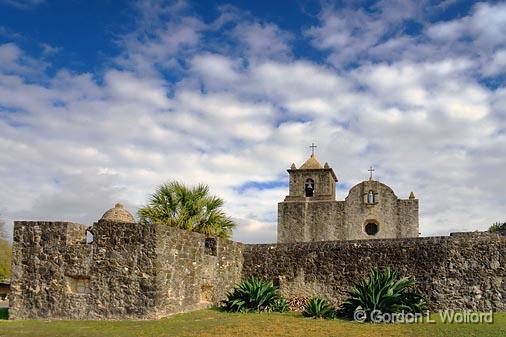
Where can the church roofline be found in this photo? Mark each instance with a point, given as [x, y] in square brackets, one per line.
[315, 170]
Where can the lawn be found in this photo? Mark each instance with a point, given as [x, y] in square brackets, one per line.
[216, 323]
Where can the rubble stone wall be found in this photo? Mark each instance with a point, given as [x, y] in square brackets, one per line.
[46, 257]
[457, 272]
[134, 271]
[194, 271]
[128, 271]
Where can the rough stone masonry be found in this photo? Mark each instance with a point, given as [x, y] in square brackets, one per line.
[134, 271]
[128, 271]
[310, 212]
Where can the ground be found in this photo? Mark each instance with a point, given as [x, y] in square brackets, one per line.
[215, 323]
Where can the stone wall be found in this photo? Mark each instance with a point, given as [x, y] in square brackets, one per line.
[128, 271]
[461, 272]
[407, 214]
[123, 272]
[45, 257]
[194, 271]
[310, 220]
[134, 271]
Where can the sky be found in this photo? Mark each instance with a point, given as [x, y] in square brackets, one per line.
[103, 101]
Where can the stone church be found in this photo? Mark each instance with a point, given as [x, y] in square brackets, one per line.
[310, 212]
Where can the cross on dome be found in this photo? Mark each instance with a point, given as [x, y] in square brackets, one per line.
[371, 170]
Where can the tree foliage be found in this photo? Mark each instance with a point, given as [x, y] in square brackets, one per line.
[190, 208]
[496, 227]
[5, 253]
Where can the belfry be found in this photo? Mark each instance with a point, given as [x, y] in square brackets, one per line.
[310, 211]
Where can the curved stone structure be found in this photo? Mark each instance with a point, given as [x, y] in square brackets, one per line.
[118, 214]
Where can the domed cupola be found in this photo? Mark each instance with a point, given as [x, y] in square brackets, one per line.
[311, 164]
[118, 214]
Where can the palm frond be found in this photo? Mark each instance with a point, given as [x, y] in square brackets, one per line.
[191, 208]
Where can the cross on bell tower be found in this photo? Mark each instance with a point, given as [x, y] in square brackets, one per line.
[312, 149]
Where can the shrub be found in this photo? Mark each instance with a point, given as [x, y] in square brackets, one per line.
[5, 252]
[254, 295]
[4, 313]
[280, 305]
[497, 227]
[383, 290]
[318, 308]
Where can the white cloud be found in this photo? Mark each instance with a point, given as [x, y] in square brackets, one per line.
[356, 37]
[22, 4]
[497, 65]
[126, 87]
[47, 49]
[74, 144]
[164, 37]
[12, 60]
[263, 40]
[216, 69]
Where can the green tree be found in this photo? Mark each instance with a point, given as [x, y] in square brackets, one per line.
[5, 253]
[191, 208]
[496, 227]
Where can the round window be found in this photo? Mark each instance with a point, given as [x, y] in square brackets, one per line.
[371, 228]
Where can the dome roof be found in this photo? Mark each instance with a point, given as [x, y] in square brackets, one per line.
[118, 214]
[370, 184]
[311, 164]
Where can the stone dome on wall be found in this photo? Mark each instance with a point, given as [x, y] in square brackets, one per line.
[118, 214]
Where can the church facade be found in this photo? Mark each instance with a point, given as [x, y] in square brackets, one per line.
[310, 212]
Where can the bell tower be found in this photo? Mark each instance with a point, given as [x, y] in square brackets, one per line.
[311, 181]
[312, 194]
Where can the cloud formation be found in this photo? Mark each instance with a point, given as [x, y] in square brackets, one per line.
[22, 4]
[229, 102]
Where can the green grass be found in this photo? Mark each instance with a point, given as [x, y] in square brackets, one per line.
[215, 323]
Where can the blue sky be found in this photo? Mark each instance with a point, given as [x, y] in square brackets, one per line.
[101, 101]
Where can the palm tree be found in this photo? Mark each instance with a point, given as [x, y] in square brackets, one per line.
[190, 208]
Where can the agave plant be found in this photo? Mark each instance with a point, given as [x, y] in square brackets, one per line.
[254, 295]
[318, 307]
[280, 305]
[384, 291]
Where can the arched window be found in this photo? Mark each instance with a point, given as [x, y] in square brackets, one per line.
[370, 197]
[309, 187]
[371, 228]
